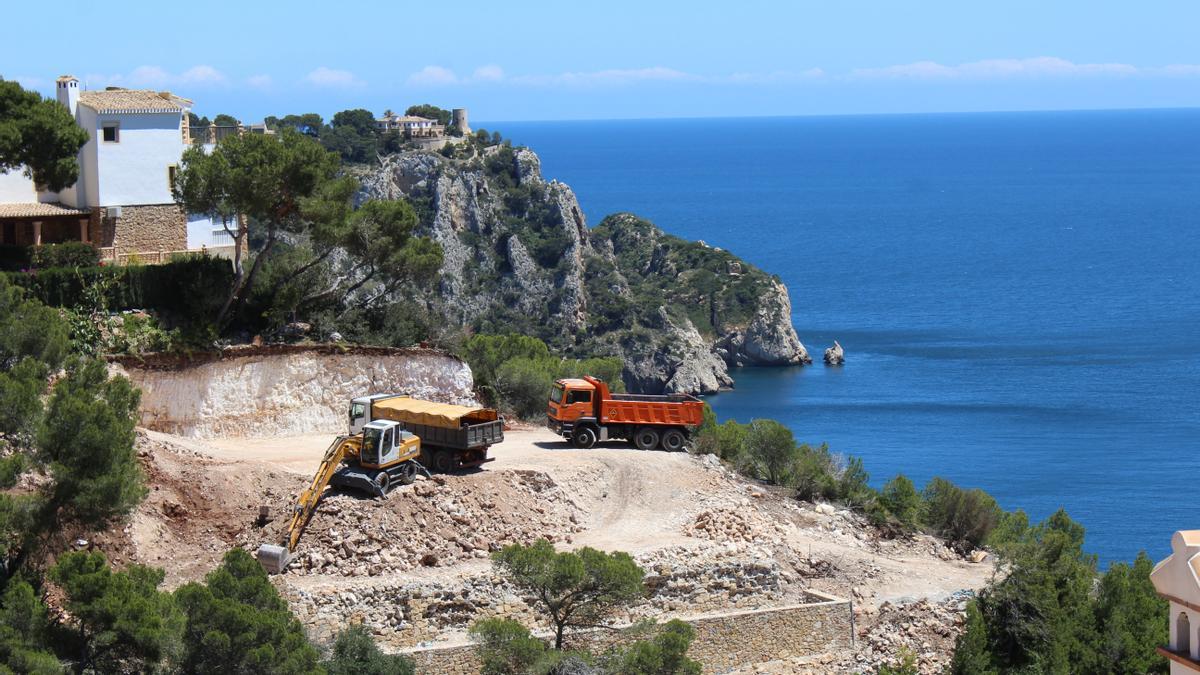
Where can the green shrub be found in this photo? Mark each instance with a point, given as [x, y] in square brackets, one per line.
[71, 254]
[769, 451]
[814, 475]
[355, 653]
[964, 518]
[524, 385]
[902, 501]
[505, 646]
[188, 292]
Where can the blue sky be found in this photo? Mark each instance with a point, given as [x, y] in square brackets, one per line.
[617, 59]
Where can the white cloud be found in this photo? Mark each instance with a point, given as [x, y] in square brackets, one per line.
[989, 69]
[202, 75]
[331, 77]
[610, 77]
[775, 77]
[434, 76]
[488, 73]
[157, 77]
[259, 81]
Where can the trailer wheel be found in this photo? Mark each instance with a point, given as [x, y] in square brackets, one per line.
[584, 437]
[646, 438]
[674, 440]
[443, 462]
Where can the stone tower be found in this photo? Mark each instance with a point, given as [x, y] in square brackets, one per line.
[458, 120]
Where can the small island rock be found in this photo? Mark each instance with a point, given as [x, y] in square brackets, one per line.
[834, 356]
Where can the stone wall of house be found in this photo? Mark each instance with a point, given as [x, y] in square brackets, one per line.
[146, 229]
[723, 641]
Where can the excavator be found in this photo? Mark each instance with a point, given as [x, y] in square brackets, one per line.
[381, 456]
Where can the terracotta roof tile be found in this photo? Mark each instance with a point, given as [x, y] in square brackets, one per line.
[38, 210]
[133, 101]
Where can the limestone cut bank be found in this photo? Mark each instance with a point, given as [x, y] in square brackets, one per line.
[284, 390]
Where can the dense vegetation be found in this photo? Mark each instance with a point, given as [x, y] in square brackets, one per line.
[515, 372]
[38, 136]
[1049, 611]
[577, 590]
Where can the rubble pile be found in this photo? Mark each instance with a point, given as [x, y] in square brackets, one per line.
[433, 523]
[927, 630]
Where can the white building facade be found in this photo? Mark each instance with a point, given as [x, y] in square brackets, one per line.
[1177, 579]
[122, 201]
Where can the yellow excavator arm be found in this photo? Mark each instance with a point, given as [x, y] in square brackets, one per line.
[276, 558]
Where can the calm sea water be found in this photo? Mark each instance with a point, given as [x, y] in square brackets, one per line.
[1018, 294]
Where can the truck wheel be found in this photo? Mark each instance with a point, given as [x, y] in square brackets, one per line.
[443, 462]
[646, 438]
[673, 440]
[584, 438]
[382, 483]
[408, 473]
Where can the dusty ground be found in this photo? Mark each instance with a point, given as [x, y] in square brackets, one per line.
[678, 514]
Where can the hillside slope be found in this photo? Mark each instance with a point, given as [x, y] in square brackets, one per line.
[519, 257]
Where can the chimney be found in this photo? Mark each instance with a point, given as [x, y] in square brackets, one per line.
[68, 93]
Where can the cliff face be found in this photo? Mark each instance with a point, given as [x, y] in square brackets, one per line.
[519, 257]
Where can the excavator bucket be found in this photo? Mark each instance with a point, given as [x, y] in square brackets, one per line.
[274, 559]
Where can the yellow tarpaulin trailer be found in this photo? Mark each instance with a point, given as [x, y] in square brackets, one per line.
[443, 415]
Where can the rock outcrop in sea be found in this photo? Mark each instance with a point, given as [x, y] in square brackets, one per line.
[519, 257]
[835, 355]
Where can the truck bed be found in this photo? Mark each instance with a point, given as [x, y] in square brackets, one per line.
[467, 437]
[675, 410]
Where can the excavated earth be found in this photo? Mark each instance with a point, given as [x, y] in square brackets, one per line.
[414, 567]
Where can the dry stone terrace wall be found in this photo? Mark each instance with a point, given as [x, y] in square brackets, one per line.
[284, 391]
[723, 641]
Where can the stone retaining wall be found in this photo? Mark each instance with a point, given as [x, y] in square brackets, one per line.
[144, 229]
[723, 641]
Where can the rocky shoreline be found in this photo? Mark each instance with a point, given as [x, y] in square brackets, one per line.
[520, 257]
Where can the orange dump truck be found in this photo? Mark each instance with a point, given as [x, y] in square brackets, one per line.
[584, 411]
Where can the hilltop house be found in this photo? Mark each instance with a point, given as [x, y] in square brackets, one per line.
[1177, 578]
[122, 201]
[411, 126]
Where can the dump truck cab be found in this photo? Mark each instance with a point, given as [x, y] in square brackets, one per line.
[360, 410]
[571, 399]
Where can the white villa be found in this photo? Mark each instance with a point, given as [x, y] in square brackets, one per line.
[411, 126]
[1177, 578]
[122, 201]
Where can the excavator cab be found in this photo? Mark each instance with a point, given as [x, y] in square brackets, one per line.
[385, 443]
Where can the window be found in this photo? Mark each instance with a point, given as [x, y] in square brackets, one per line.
[357, 410]
[1183, 633]
[556, 393]
[111, 131]
[172, 172]
[579, 397]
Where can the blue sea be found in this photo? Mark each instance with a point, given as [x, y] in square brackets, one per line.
[1018, 294]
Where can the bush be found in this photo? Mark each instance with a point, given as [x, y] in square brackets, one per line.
[964, 518]
[902, 501]
[71, 254]
[189, 291]
[814, 475]
[355, 653]
[505, 646]
[769, 451]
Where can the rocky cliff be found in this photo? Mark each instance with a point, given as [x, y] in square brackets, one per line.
[519, 257]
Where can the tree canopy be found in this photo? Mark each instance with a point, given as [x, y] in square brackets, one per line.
[38, 136]
[574, 589]
[430, 111]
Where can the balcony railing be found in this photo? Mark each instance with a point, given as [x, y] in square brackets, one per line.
[215, 134]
